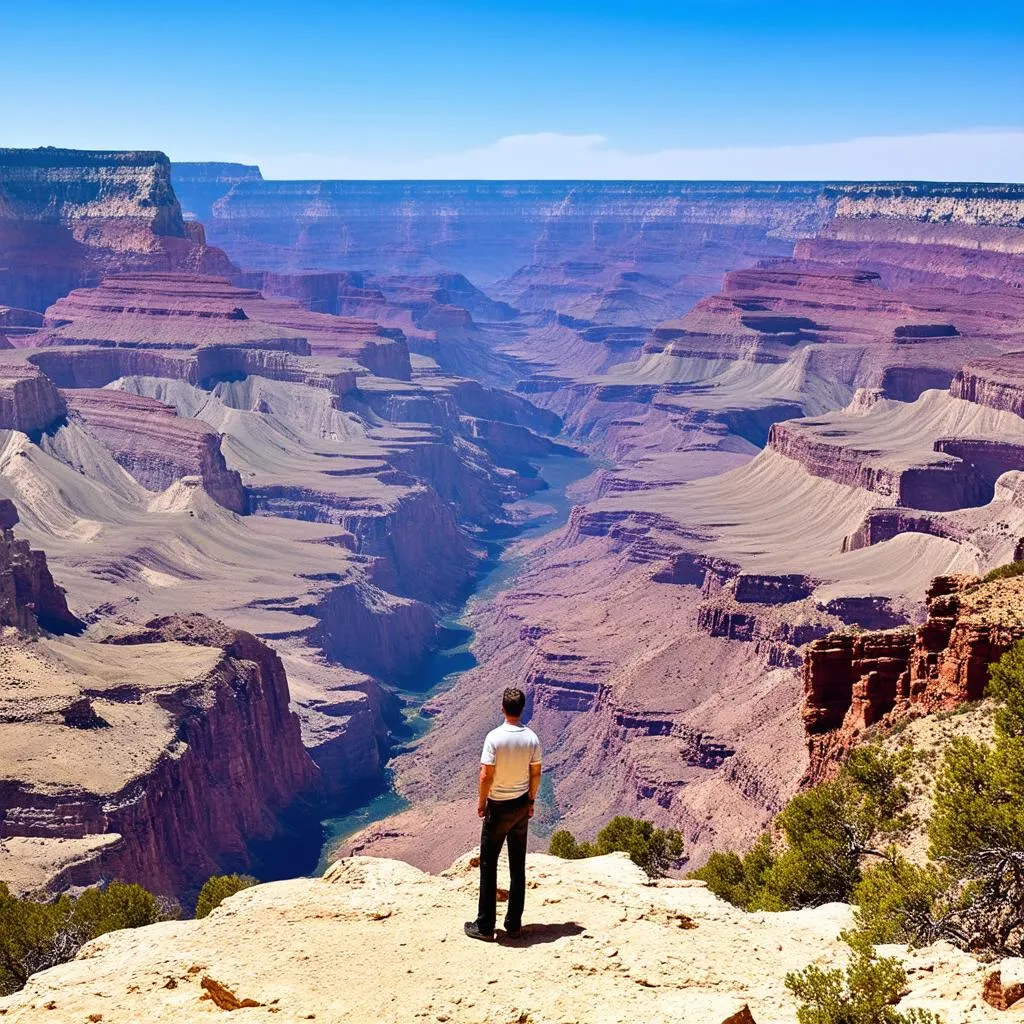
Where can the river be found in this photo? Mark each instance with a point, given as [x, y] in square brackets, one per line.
[454, 656]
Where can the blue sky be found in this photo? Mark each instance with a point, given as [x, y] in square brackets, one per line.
[731, 88]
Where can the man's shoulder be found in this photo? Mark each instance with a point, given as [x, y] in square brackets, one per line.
[503, 735]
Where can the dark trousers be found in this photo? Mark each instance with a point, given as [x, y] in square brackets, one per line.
[505, 819]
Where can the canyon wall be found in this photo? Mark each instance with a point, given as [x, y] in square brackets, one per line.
[173, 762]
[800, 452]
[67, 217]
[179, 441]
[162, 767]
[489, 230]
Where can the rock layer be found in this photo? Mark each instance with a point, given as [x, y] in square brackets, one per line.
[155, 445]
[29, 598]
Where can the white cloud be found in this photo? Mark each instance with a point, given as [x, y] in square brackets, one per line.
[986, 154]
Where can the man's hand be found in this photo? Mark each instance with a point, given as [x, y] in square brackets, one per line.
[486, 778]
[534, 784]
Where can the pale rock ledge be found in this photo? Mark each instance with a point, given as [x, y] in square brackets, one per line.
[380, 941]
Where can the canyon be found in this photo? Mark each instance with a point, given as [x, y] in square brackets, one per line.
[283, 449]
[800, 453]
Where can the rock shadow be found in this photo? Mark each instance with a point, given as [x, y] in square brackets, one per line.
[536, 934]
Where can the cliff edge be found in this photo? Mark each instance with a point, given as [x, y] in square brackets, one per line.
[378, 940]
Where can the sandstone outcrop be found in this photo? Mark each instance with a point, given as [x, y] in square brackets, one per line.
[996, 383]
[1004, 985]
[28, 400]
[903, 453]
[183, 312]
[601, 944]
[855, 681]
[29, 598]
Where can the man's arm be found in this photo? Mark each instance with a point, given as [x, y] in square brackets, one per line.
[486, 778]
[534, 784]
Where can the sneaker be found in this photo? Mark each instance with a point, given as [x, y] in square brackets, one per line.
[513, 933]
[472, 929]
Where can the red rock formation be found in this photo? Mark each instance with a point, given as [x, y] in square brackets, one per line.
[28, 400]
[940, 485]
[882, 524]
[854, 681]
[188, 311]
[16, 324]
[155, 445]
[997, 383]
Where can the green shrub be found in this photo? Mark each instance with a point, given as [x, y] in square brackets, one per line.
[1004, 572]
[1006, 684]
[901, 902]
[563, 844]
[836, 843]
[831, 829]
[98, 911]
[826, 834]
[218, 888]
[653, 849]
[37, 933]
[741, 881]
[865, 993]
[977, 829]
[28, 937]
[972, 892]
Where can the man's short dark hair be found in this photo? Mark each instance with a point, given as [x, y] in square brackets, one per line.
[513, 700]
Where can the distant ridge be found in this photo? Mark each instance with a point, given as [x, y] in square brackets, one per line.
[52, 156]
[219, 169]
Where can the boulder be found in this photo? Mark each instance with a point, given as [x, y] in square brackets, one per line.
[741, 1016]
[1004, 984]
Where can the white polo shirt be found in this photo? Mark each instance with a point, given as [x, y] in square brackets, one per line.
[511, 749]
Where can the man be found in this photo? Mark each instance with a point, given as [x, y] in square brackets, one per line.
[509, 779]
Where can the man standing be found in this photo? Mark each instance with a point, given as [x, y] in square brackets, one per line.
[509, 779]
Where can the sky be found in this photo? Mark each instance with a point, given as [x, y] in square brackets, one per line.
[740, 89]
